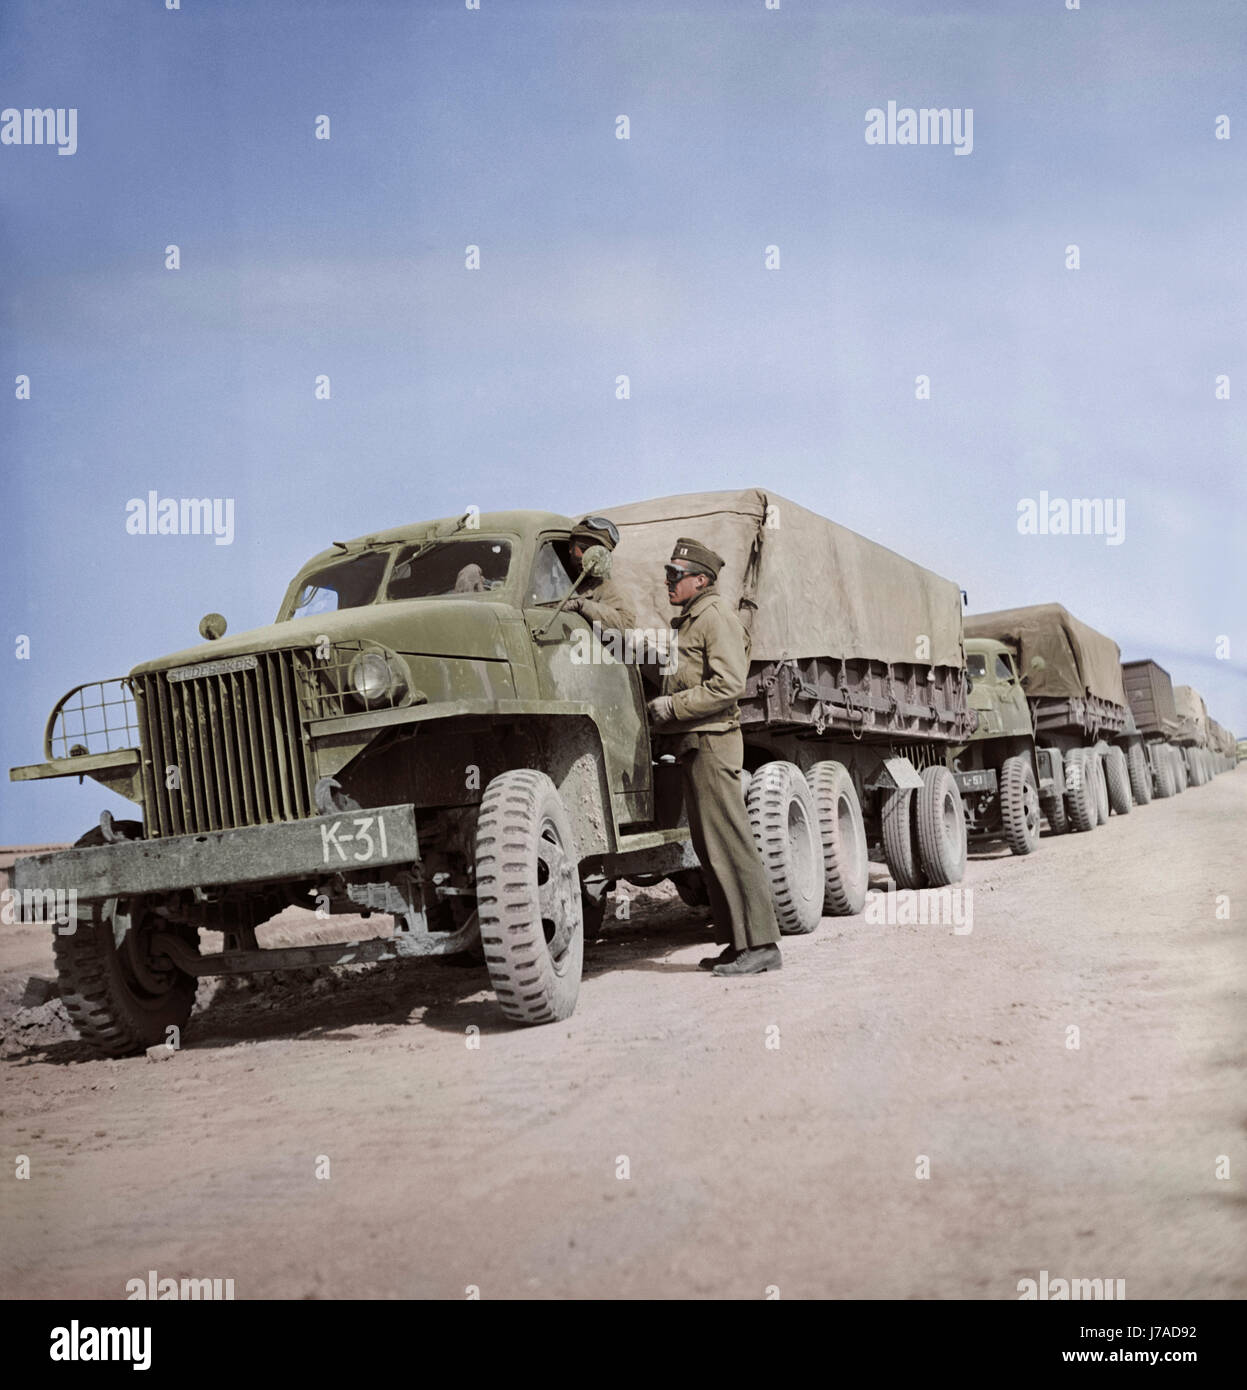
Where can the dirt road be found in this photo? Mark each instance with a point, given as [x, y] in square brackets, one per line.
[684, 1136]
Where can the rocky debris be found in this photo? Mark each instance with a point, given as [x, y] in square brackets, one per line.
[162, 1052]
[39, 989]
[32, 1028]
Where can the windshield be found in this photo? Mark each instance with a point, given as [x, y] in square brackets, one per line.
[450, 567]
[349, 583]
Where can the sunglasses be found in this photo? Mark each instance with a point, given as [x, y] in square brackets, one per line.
[674, 573]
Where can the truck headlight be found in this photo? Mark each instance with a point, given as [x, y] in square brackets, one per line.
[377, 678]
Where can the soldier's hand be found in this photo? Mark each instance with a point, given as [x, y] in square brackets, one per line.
[661, 709]
[573, 604]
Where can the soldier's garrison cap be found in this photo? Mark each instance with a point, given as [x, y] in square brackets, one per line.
[697, 558]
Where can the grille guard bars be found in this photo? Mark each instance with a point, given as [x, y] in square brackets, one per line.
[91, 749]
[236, 729]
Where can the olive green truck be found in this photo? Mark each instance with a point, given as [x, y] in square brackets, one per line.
[1005, 779]
[425, 734]
[1088, 755]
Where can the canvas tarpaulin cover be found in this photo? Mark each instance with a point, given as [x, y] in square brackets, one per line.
[809, 587]
[1077, 660]
[1190, 704]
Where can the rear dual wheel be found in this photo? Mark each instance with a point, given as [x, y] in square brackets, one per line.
[924, 832]
[785, 824]
[842, 830]
[1080, 798]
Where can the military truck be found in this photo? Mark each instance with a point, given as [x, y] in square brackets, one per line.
[1003, 789]
[427, 734]
[856, 690]
[1083, 727]
[1221, 751]
[1192, 753]
[1152, 704]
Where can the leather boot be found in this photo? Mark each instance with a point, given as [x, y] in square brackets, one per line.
[752, 961]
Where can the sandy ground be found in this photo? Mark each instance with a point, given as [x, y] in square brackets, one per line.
[660, 1144]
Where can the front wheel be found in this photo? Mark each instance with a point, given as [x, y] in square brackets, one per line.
[1117, 773]
[1179, 768]
[942, 835]
[1095, 761]
[1019, 804]
[528, 897]
[1080, 797]
[1165, 785]
[1140, 774]
[122, 997]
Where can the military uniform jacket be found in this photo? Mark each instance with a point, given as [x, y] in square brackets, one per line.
[712, 662]
[606, 602]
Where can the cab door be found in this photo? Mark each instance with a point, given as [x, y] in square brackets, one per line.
[574, 664]
[1013, 704]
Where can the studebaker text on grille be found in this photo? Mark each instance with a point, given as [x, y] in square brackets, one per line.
[215, 668]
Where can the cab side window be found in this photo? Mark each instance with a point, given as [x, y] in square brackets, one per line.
[1004, 672]
[550, 580]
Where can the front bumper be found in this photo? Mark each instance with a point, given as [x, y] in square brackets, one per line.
[352, 841]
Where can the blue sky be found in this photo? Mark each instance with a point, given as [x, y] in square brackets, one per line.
[599, 257]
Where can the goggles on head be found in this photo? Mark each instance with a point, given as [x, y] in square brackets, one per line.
[600, 523]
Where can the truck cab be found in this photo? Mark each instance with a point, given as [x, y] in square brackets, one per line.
[421, 706]
[1003, 785]
[996, 691]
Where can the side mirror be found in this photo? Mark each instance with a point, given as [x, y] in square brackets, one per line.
[212, 627]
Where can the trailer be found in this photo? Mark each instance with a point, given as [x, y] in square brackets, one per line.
[1153, 705]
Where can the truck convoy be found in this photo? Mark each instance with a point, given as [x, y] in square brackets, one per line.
[1153, 704]
[1087, 751]
[474, 762]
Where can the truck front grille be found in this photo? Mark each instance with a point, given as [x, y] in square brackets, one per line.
[231, 741]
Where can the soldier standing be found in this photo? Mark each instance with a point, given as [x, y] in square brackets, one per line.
[698, 708]
[598, 600]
